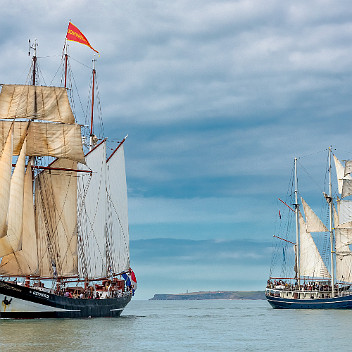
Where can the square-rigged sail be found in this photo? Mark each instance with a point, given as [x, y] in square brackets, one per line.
[38, 121]
[81, 221]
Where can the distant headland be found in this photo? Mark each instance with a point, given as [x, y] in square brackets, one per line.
[254, 295]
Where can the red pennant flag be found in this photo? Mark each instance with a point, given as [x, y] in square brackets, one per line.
[74, 34]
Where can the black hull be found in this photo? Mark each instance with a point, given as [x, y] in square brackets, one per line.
[20, 302]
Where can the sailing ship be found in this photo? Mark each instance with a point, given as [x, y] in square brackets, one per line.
[315, 284]
[64, 241]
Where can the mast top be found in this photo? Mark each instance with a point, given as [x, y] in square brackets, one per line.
[34, 58]
[33, 47]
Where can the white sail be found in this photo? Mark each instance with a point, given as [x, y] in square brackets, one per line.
[343, 238]
[117, 212]
[15, 212]
[311, 262]
[313, 222]
[346, 187]
[45, 139]
[344, 208]
[64, 236]
[35, 102]
[335, 216]
[56, 219]
[348, 167]
[25, 261]
[340, 173]
[11, 242]
[92, 215]
[5, 180]
[344, 182]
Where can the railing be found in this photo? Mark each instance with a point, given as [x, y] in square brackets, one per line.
[302, 292]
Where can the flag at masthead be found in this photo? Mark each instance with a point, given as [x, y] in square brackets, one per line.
[75, 35]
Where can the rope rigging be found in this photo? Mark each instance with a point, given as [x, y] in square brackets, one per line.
[55, 253]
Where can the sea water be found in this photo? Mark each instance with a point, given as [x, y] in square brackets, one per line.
[211, 325]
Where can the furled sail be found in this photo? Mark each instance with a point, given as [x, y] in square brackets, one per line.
[117, 212]
[35, 102]
[45, 139]
[25, 261]
[311, 262]
[314, 224]
[92, 214]
[56, 219]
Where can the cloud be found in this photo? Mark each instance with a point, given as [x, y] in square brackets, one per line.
[217, 98]
[188, 251]
[174, 266]
[198, 211]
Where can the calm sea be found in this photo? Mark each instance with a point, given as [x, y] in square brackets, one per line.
[186, 326]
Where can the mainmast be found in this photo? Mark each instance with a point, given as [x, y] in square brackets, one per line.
[92, 112]
[297, 224]
[332, 251]
[66, 60]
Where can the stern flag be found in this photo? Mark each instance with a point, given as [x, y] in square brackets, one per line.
[127, 279]
[74, 34]
[133, 280]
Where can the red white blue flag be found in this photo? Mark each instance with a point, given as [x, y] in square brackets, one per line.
[133, 280]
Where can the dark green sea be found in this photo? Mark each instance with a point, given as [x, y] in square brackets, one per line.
[214, 325]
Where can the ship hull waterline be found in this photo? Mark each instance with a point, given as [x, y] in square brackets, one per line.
[20, 302]
[344, 302]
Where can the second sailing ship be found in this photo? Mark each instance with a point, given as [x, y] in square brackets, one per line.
[313, 285]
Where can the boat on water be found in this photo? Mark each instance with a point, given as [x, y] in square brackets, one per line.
[321, 277]
[64, 240]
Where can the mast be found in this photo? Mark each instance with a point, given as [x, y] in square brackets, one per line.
[91, 120]
[34, 58]
[332, 251]
[297, 224]
[66, 60]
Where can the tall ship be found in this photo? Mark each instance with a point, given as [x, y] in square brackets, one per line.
[64, 238]
[320, 274]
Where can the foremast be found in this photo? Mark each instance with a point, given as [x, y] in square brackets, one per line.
[296, 205]
[307, 226]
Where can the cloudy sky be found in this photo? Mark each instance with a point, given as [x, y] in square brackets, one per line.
[217, 97]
